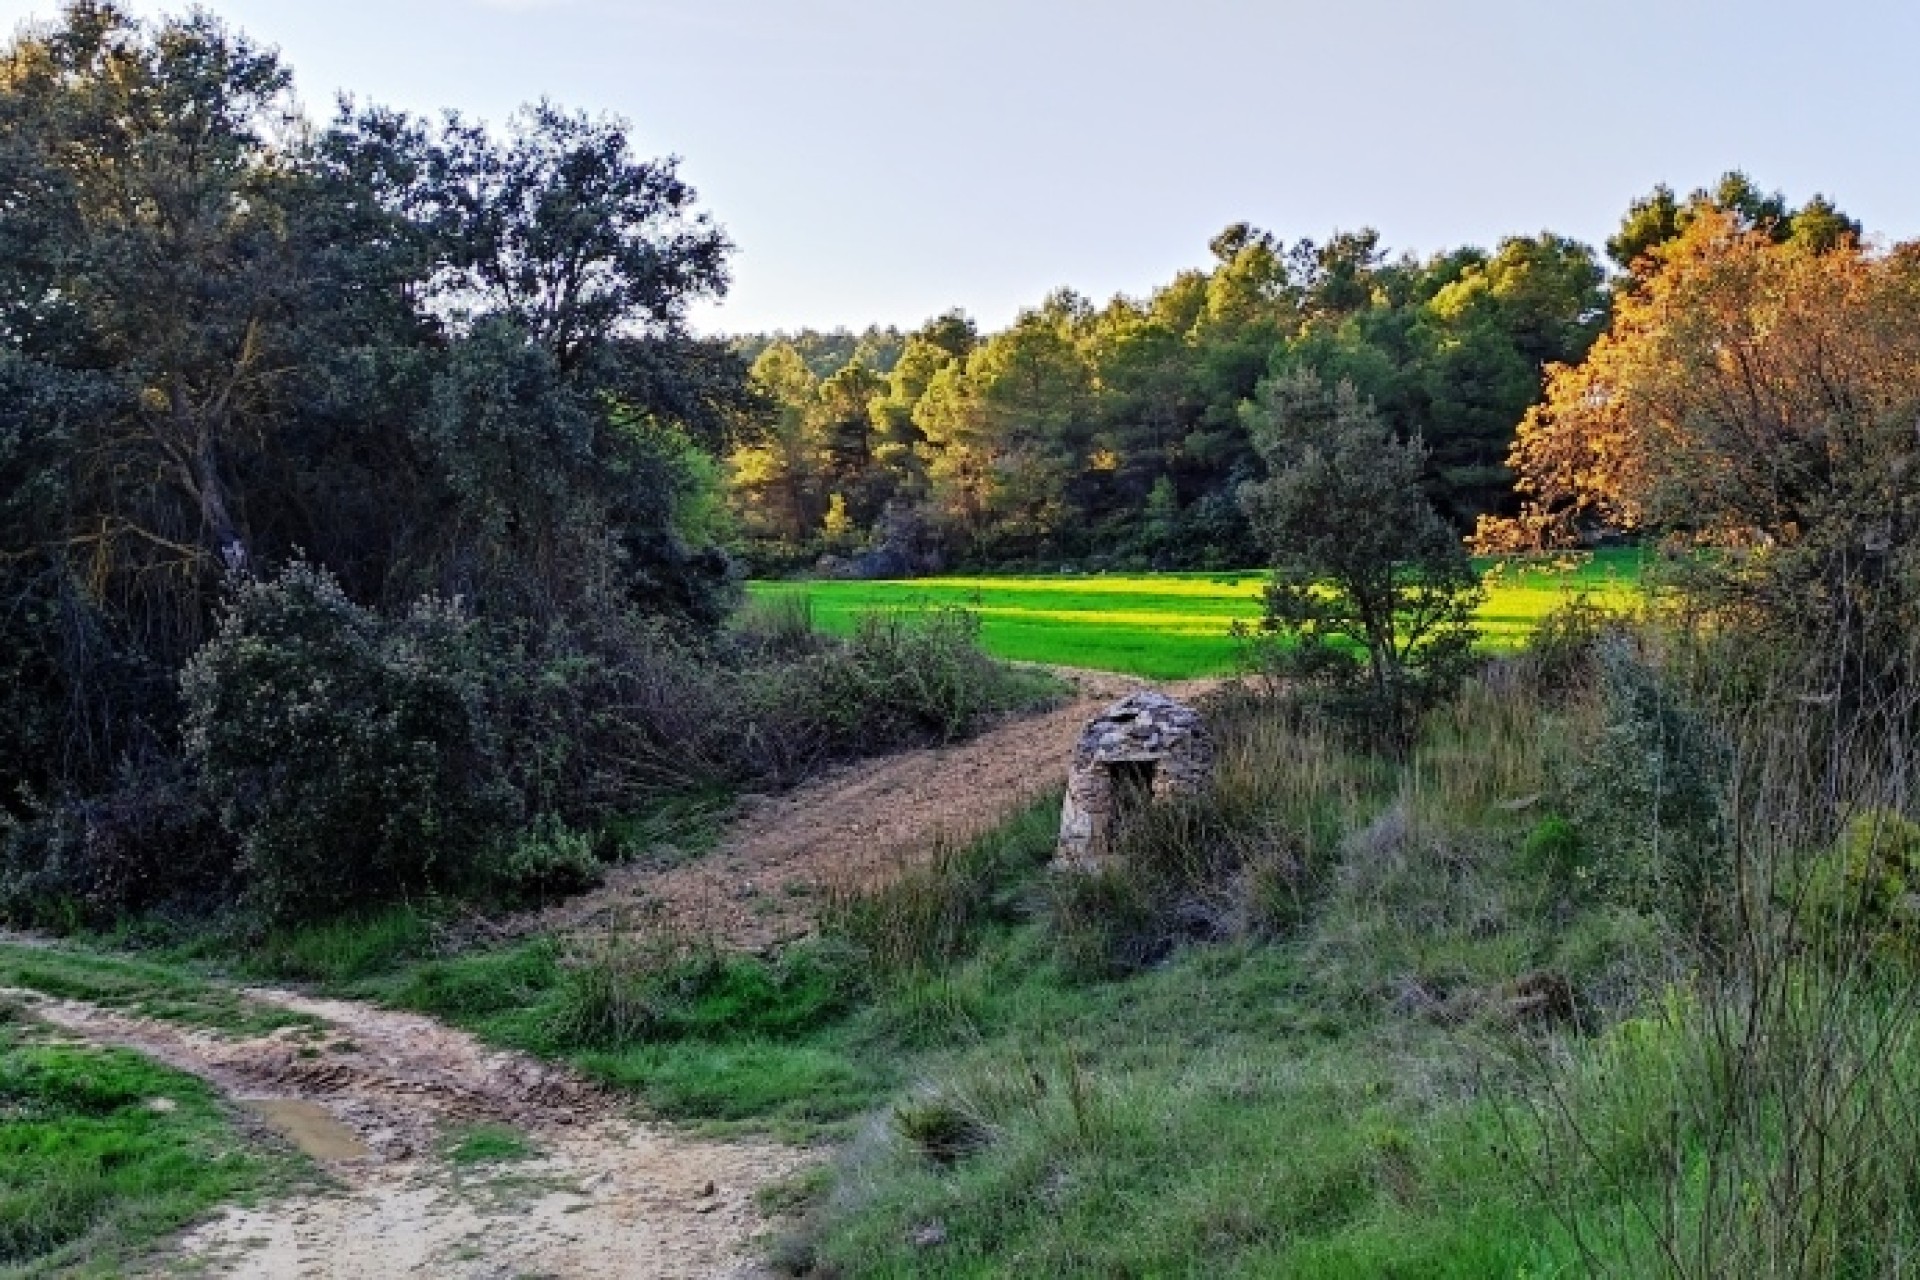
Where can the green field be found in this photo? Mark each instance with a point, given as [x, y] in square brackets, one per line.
[1172, 625]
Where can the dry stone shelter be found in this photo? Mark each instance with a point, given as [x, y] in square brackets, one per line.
[1141, 748]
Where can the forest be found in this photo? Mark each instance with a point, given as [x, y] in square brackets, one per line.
[1112, 436]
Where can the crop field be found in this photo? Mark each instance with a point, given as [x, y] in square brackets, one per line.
[1169, 626]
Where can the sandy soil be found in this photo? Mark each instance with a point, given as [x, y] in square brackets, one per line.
[780, 854]
[374, 1095]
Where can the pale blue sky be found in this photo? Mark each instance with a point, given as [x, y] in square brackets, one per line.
[883, 162]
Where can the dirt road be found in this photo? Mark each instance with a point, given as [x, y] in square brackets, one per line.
[376, 1097]
[761, 885]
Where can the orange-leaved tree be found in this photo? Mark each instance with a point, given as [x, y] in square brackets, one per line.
[1751, 395]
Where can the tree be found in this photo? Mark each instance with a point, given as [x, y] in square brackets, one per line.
[1759, 393]
[848, 445]
[562, 230]
[777, 478]
[1659, 217]
[430, 361]
[1372, 595]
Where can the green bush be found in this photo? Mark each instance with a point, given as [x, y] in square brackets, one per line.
[623, 992]
[546, 858]
[1859, 896]
[1554, 851]
[1647, 793]
[901, 678]
[346, 753]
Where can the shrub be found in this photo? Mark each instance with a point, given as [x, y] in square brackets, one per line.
[901, 677]
[1647, 793]
[621, 991]
[1372, 594]
[152, 841]
[545, 858]
[1859, 896]
[346, 753]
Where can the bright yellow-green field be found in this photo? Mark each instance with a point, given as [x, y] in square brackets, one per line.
[1172, 625]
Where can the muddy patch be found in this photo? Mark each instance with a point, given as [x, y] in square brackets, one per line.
[310, 1127]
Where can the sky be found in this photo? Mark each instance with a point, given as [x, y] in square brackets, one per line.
[884, 162]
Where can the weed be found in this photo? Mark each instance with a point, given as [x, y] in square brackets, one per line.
[343, 950]
[486, 1144]
[939, 1128]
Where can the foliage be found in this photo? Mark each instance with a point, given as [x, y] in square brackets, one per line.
[1755, 394]
[901, 677]
[152, 843]
[1648, 793]
[1082, 432]
[428, 360]
[347, 755]
[547, 859]
[1859, 894]
[1371, 591]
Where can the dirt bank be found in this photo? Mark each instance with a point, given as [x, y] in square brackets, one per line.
[780, 854]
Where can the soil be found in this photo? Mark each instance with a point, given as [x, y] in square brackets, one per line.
[781, 855]
[375, 1097]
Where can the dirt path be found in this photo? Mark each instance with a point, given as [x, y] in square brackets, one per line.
[376, 1097]
[780, 854]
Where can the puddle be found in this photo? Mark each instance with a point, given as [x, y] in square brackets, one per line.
[310, 1127]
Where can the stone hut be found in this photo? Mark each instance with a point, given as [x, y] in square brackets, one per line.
[1141, 748]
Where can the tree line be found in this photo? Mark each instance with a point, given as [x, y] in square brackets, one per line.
[1117, 434]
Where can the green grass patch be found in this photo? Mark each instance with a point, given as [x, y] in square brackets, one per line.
[1176, 625]
[102, 1152]
[486, 1144]
[141, 987]
[340, 951]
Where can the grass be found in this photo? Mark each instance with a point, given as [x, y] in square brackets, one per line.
[140, 987]
[1337, 1017]
[1173, 625]
[1310, 1098]
[102, 1152]
[483, 1144]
